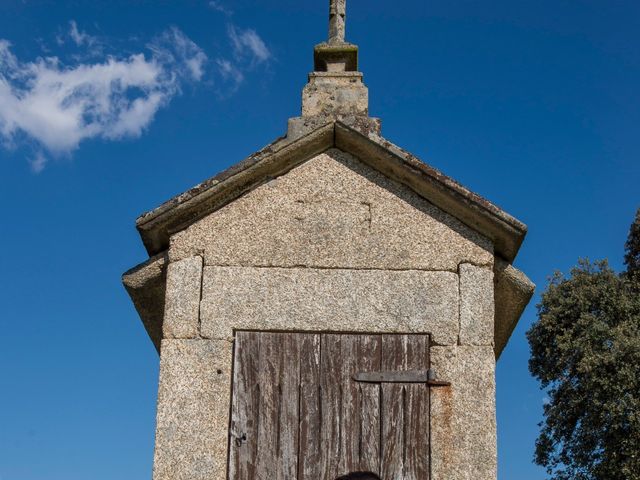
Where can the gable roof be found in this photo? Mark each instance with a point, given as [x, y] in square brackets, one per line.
[146, 282]
[277, 158]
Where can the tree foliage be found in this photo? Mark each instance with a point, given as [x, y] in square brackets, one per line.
[632, 249]
[585, 351]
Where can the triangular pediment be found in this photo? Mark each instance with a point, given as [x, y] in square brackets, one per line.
[333, 211]
[504, 231]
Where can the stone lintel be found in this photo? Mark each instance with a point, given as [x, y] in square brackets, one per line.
[307, 299]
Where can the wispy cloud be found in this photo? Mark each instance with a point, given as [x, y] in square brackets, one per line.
[53, 103]
[230, 72]
[248, 44]
[174, 48]
[38, 162]
[88, 46]
[80, 38]
[220, 7]
[58, 105]
[249, 50]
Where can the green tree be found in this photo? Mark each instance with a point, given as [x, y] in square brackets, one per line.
[632, 250]
[585, 351]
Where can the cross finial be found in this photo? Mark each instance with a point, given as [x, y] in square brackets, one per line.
[337, 13]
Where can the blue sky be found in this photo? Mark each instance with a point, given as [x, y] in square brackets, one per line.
[108, 108]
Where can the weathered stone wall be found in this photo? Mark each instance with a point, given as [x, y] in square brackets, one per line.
[333, 212]
[193, 408]
[332, 245]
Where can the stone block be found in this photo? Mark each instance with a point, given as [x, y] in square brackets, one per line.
[335, 93]
[476, 305]
[463, 422]
[329, 300]
[333, 211]
[443, 440]
[182, 298]
[193, 410]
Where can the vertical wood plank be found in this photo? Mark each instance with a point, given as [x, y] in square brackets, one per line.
[289, 382]
[269, 408]
[244, 409]
[392, 409]
[417, 433]
[350, 406]
[330, 405]
[369, 357]
[309, 438]
[417, 412]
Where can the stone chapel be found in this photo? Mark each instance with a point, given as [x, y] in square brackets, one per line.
[330, 307]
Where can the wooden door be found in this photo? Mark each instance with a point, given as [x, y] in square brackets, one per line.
[298, 414]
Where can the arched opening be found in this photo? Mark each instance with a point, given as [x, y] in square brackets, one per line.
[359, 476]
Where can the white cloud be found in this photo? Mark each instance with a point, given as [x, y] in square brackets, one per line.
[247, 43]
[175, 48]
[230, 72]
[89, 46]
[248, 48]
[80, 38]
[217, 5]
[59, 106]
[38, 162]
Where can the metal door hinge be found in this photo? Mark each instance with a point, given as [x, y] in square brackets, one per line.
[405, 376]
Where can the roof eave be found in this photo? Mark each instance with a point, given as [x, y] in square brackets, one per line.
[506, 232]
[156, 227]
[512, 292]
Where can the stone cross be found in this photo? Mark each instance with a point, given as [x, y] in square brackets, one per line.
[337, 13]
